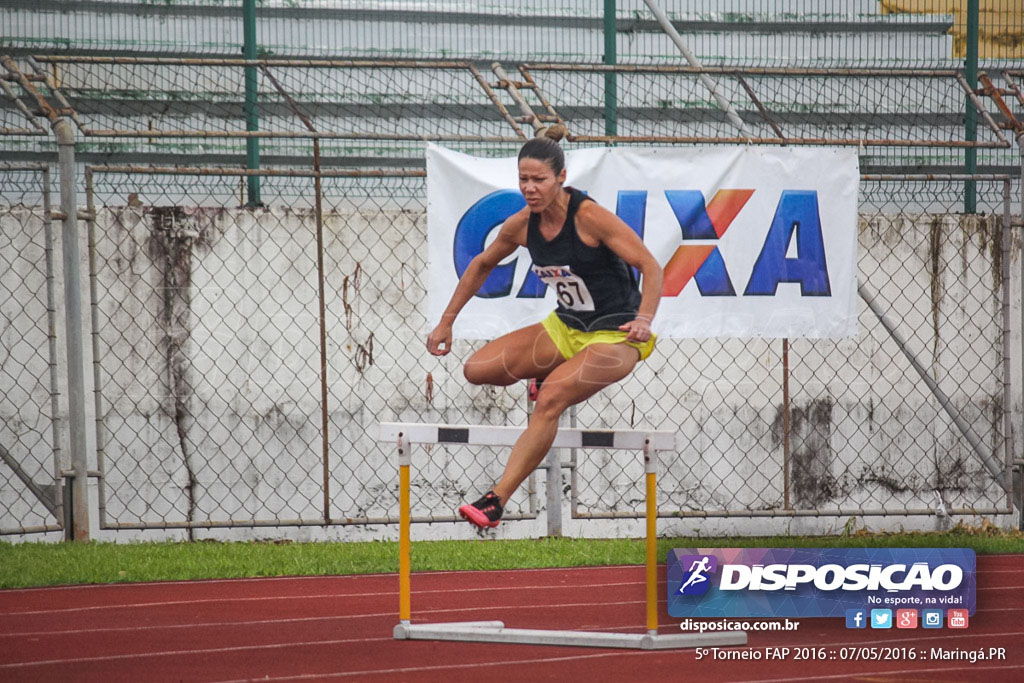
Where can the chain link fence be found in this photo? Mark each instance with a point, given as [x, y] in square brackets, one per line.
[902, 33]
[373, 114]
[813, 427]
[241, 355]
[231, 392]
[30, 424]
[223, 391]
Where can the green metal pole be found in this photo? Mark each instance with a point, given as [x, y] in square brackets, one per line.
[611, 90]
[252, 117]
[971, 115]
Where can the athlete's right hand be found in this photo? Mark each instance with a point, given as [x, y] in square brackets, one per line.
[439, 342]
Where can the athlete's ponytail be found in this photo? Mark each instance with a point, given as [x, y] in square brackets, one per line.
[544, 147]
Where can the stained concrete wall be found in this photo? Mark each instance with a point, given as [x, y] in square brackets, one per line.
[210, 395]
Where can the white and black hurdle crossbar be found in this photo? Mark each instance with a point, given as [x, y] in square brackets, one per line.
[403, 435]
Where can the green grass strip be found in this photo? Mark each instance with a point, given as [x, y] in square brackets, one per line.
[48, 564]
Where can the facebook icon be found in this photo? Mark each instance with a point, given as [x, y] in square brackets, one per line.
[856, 618]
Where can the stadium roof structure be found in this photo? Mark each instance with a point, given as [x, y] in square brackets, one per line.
[373, 112]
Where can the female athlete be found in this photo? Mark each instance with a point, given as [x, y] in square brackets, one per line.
[598, 333]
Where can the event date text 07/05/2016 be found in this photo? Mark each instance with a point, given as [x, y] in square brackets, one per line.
[852, 653]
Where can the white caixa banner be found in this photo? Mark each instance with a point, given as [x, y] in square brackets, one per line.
[754, 241]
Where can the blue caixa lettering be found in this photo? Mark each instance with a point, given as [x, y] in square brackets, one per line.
[796, 218]
[797, 212]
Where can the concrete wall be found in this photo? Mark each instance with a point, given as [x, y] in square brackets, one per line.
[209, 371]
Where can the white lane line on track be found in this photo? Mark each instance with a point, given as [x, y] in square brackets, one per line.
[369, 615]
[338, 577]
[436, 667]
[873, 674]
[356, 577]
[186, 601]
[443, 610]
[198, 651]
[170, 653]
[488, 589]
[910, 641]
[448, 667]
[392, 613]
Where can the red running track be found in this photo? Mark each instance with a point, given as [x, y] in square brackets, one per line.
[339, 628]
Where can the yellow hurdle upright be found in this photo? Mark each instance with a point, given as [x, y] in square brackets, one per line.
[650, 443]
[404, 534]
[651, 517]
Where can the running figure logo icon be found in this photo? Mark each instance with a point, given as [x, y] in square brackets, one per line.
[696, 580]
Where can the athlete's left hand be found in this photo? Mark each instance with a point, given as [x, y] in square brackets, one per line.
[637, 330]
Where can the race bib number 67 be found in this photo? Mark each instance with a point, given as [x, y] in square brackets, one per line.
[570, 289]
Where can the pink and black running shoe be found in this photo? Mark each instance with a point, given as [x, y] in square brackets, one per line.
[484, 513]
[534, 390]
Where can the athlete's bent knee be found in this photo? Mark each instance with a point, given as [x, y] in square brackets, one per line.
[474, 374]
[485, 373]
[551, 402]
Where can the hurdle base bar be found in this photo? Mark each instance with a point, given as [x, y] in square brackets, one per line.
[495, 632]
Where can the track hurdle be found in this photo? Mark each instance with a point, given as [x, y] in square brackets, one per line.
[649, 443]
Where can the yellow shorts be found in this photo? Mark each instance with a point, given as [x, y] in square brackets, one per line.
[571, 341]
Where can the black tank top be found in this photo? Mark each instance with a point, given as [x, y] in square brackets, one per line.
[596, 290]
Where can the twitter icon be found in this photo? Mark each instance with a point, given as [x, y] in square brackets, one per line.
[881, 618]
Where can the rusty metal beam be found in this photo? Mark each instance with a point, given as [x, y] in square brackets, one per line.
[22, 131]
[552, 115]
[22, 79]
[510, 87]
[22, 107]
[977, 104]
[327, 135]
[237, 171]
[306, 121]
[528, 82]
[760, 107]
[1015, 90]
[844, 142]
[996, 95]
[925, 177]
[232, 62]
[733, 70]
[497, 102]
[604, 139]
[48, 80]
